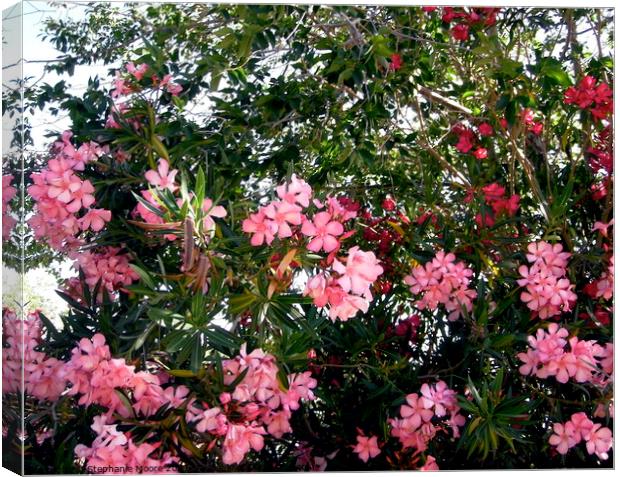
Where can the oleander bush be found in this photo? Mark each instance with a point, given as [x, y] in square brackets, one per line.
[309, 238]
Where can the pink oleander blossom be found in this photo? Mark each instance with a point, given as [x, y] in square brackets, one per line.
[564, 437]
[324, 232]
[163, 177]
[283, 215]
[295, 192]
[366, 448]
[548, 292]
[599, 441]
[137, 72]
[442, 281]
[95, 219]
[435, 409]
[359, 271]
[263, 230]
[210, 211]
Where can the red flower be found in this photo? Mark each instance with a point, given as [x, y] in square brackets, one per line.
[485, 129]
[480, 153]
[388, 204]
[397, 62]
[536, 128]
[448, 14]
[460, 32]
[466, 141]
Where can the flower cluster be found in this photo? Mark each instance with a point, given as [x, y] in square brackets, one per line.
[396, 62]
[126, 84]
[134, 80]
[117, 453]
[444, 281]
[468, 141]
[64, 202]
[548, 291]
[109, 266]
[95, 376]
[277, 218]
[597, 98]
[527, 118]
[598, 439]
[424, 415]
[467, 18]
[583, 362]
[494, 196]
[346, 287]
[284, 218]
[41, 373]
[257, 406]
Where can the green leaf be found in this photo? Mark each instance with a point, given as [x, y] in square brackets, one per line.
[144, 276]
[552, 69]
[198, 354]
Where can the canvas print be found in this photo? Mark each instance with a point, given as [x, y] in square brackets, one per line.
[293, 238]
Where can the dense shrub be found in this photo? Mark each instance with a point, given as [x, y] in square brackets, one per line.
[315, 238]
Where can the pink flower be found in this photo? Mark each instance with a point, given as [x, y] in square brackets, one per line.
[137, 72]
[564, 437]
[162, 178]
[599, 441]
[583, 426]
[264, 230]
[212, 421]
[300, 387]
[173, 88]
[602, 227]
[295, 192]
[439, 397]
[324, 231]
[212, 211]
[315, 288]
[120, 86]
[278, 424]
[345, 306]
[527, 116]
[367, 448]
[283, 215]
[530, 362]
[415, 412]
[238, 441]
[95, 219]
[361, 270]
